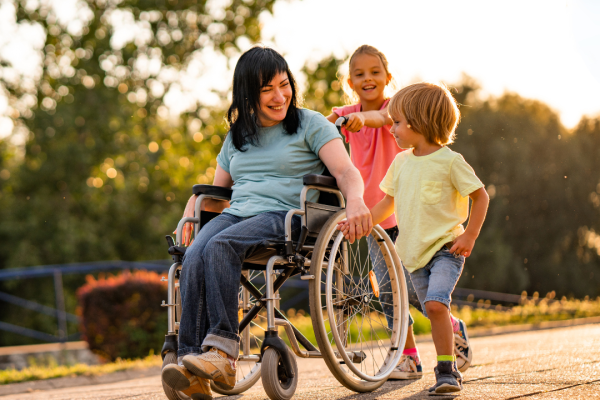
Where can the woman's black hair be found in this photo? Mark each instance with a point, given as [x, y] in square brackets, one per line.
[254, 70]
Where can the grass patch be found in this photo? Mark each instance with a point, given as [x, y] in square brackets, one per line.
[529, 312]
[53, 370]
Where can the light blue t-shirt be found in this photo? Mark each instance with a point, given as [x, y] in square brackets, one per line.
[268, 177]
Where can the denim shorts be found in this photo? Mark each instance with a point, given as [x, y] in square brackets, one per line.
[436, 280]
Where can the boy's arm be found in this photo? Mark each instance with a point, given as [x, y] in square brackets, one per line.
[382, 210]
[463, 245]
[379, 213]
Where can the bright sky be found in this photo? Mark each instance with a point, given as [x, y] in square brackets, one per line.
[543, 49]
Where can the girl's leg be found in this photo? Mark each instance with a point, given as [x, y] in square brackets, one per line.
[383, 279]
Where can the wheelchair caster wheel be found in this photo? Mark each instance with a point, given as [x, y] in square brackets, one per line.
[275, 381]
[172, 394]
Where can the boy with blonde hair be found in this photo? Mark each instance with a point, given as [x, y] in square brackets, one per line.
[428, 188]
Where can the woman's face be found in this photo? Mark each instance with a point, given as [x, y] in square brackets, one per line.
[275, 98]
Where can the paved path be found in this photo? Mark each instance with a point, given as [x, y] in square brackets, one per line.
[552, 364]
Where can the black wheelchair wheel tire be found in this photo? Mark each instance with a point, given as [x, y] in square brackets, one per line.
[328, 350]
[276, 386]
[172, 394]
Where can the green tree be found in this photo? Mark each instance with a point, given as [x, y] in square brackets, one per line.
[542, 231]
[105, 168]
[323, 89]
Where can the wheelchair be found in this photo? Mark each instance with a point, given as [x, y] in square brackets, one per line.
[351, 330]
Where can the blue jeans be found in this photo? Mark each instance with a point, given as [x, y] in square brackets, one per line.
[210, 278]
[436, 280]
[381, 272]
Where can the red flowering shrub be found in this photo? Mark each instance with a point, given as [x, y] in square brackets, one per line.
[121, 315]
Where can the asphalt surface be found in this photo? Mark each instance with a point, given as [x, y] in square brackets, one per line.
[551, 364]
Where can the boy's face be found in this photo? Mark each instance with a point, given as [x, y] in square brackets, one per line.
[405, 136]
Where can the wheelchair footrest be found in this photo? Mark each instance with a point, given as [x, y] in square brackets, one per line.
[356, 357]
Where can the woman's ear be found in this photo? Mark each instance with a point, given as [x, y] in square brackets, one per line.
[389, 79]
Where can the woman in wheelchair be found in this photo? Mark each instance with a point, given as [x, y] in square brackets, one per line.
[271, 145]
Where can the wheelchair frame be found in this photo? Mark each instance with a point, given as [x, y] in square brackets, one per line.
[290, 260]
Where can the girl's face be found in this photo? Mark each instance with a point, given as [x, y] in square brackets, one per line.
[405, 136]
[368, 77]
[275, 98]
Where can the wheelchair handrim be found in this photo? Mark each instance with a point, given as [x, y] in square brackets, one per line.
[393, 356]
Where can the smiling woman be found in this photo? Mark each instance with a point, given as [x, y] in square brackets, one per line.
[265, 91]
[271, 145]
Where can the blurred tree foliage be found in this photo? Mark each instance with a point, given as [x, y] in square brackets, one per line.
[323, 87]
[542, 232]
[104, 172]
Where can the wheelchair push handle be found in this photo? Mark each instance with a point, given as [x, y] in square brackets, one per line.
[341, 121]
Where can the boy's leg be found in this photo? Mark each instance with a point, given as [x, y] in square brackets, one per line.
[434, 285]
[441, 327]
[462, 348]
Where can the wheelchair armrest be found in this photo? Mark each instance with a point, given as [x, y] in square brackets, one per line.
[319, 180]
[211, 190]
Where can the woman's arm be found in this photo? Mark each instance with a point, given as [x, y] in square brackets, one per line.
[335, 157]
[222, 179]
[464, 244]
[379, 213]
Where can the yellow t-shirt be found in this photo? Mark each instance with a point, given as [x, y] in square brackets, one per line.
[430, 201]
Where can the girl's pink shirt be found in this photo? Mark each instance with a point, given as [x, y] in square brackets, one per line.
[372, 151]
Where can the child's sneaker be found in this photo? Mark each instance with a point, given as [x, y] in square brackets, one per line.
[447, 379]
[462, 348]
[179, 378]
[213, 365]
[408, 368]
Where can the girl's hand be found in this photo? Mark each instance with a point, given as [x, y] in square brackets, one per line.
[355, 122]
[463, 245]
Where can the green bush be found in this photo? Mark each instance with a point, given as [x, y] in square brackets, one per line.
[121, 316]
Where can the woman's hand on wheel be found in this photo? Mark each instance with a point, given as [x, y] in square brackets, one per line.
[359, 219]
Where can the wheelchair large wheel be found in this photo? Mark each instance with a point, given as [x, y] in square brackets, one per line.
[248, 367]
[356, 289]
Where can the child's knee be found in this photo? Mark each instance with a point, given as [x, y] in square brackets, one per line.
[435, 308]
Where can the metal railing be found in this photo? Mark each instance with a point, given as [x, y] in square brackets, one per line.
[57, 271]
